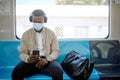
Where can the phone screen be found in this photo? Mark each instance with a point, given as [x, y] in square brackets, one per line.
[36, 52]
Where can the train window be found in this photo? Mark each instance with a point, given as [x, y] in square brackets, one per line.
[67, 18]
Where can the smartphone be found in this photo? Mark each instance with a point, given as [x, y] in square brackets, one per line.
[36, 52]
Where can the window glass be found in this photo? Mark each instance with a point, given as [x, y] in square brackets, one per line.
[67, 18]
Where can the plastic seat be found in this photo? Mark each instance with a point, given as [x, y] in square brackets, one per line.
[106, 57]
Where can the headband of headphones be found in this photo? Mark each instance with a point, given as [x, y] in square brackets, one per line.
[38, 12]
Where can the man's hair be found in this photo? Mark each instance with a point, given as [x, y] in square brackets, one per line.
[38, 12]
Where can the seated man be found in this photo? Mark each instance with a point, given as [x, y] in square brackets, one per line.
[43, 41]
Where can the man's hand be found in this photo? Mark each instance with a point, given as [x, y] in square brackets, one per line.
[42, 62]
[33, 59]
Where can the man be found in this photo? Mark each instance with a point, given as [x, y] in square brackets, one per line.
[41, 40]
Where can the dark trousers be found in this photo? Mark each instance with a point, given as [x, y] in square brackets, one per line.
[23, 70]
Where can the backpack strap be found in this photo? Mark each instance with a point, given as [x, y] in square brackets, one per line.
[89, 70]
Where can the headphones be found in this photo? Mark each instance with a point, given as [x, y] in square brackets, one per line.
[38, 12]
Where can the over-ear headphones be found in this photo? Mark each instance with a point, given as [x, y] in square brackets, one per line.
[38, 12]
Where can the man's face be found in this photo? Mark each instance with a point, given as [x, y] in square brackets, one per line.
[38, 19]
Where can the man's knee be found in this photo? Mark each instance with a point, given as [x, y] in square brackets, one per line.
[14, 72]
[58, 71]
[15, 75]
[58, 74]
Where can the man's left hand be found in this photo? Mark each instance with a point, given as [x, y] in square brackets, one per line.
[42, 62]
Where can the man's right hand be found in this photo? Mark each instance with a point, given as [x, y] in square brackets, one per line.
[33, 59]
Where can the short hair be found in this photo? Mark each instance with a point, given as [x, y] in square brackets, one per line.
[38, 12]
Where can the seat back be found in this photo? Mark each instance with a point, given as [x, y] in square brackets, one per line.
[9, 53]
[105, 52]
[81, 47]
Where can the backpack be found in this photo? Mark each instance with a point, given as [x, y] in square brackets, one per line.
[76, 66]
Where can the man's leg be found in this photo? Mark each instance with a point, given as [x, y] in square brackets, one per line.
[54, 70]
[23, 70]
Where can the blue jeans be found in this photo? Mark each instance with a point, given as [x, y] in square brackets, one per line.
[23, 70]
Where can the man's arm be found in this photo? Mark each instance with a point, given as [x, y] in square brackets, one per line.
[24, 51]
[54, 50]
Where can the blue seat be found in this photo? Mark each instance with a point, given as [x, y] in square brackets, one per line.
[9, 58]
[106, 57]
[104, 51]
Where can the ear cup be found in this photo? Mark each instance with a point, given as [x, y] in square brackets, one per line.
[45, 19]
[30, 18]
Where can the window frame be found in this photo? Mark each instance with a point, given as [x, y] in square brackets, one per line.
[107, 36]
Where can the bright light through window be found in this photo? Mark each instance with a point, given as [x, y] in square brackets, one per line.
[67, 18]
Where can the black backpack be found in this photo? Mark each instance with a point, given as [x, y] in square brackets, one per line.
[76, 66]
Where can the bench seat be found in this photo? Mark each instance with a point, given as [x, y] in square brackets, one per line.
[9, 58]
